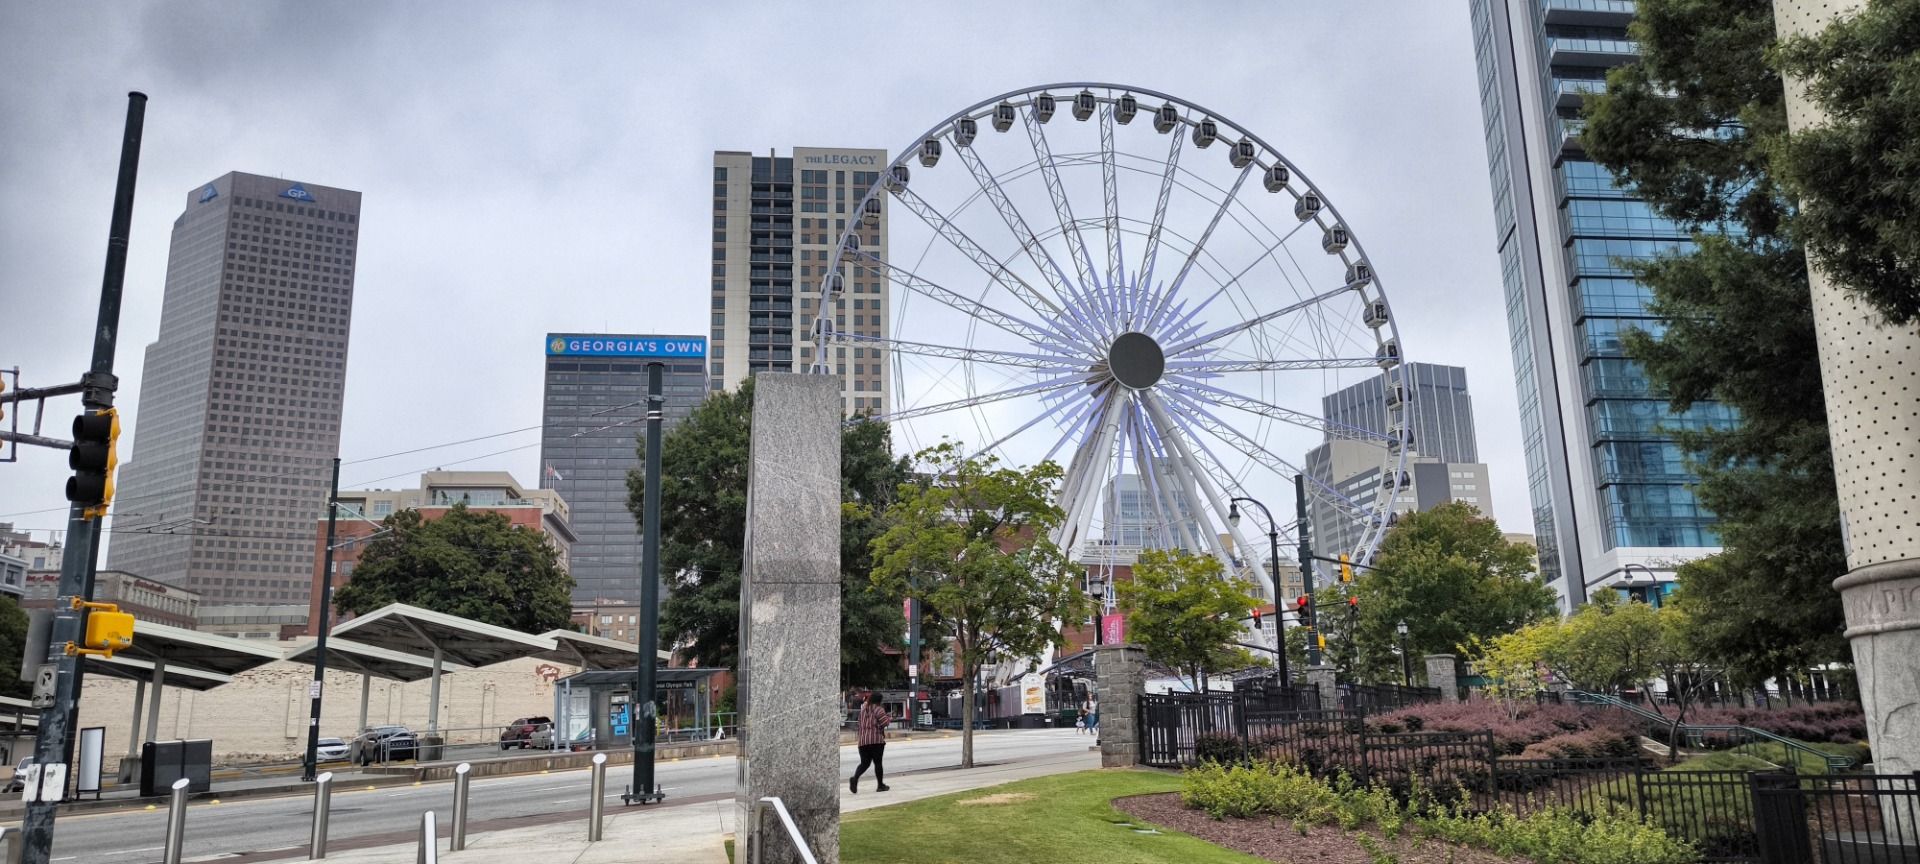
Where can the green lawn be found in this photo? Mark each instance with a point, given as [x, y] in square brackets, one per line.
[1064, 818]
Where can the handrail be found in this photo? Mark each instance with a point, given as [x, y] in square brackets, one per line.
[1833, 761]
[786, 819]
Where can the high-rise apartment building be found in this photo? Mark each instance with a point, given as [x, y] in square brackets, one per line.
[776, 221]
[1441, 416]
[1608, 485]
[595, 419]
[239, 411]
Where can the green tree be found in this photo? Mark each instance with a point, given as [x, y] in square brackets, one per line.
[1692, 128]
[1853, 176]
[469, 563]
[1448, 573]
[1187, 613]
[975, 538]
[703, 517]
[13, 644]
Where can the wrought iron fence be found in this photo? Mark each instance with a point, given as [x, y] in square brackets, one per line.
[1849, 819]
[1384, 697]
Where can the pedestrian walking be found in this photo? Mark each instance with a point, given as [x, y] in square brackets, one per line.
[1080, 725]
[873, 744]
[1093, 718]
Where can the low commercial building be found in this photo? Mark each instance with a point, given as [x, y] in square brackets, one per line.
[144, 599]
[278, 621]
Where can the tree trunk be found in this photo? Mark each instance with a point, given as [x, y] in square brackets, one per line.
[966, 715]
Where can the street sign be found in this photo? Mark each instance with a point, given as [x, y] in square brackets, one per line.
[670, 686]
[43, 682]
[313, 689]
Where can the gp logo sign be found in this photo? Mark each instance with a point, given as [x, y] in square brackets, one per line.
[298, 193]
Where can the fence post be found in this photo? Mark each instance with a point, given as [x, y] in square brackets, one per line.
[1780, 818]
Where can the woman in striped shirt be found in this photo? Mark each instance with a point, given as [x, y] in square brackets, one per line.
[873, 743]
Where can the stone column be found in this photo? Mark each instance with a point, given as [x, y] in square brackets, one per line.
[1323, 679]
[789, 676]
[1871, 376]
[1443, 671]
[1119, 680]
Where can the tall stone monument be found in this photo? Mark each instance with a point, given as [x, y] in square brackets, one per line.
[1871, 374]
[789, 675]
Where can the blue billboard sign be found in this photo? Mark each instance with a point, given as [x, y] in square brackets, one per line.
[585, 345]
[298, 193]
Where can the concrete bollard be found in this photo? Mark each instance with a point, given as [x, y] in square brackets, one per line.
[462, 778]
[176, 822]
[322, 808]
[599, 791]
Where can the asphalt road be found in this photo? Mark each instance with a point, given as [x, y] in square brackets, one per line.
[257, 825]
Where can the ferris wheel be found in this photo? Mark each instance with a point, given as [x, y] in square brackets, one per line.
[1135, 287]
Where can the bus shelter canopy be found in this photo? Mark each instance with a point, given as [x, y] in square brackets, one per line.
[406, 629]
[593, 652]
[176, 649]
[349, 656]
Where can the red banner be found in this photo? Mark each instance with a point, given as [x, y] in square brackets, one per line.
[1113, 628]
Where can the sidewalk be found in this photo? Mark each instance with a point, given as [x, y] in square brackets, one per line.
[693, 833]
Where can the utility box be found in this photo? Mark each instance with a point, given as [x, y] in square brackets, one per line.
[162, 762]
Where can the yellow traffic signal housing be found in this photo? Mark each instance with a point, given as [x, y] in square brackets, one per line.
[1346, 568]
[95, 456]
[108, 629]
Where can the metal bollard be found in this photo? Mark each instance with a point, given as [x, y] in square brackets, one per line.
[10, 841]
[462, 777]
[428, 852]
[599, 803]
[322, 808]
[176, 822]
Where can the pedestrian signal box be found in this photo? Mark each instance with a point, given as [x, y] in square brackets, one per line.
[108, 630]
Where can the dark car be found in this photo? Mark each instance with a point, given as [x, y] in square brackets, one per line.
[521, 733]
[384, 744]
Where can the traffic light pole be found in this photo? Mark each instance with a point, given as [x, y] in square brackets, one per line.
[59, 677]
[1306, 570]
[310, 763]
[645, 701]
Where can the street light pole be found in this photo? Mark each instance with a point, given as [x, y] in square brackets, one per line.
[310, 763]
[645, 721]
[1273, 550]
[1406, 662]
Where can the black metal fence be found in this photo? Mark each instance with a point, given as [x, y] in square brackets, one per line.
[1728, 816]
[1384, 697]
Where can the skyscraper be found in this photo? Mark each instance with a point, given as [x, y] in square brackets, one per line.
[239, 411]
[763, 305]
[595, 418]
[1609, 488]
[1442, 414]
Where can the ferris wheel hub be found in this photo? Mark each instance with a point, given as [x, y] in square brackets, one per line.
[1136, 360]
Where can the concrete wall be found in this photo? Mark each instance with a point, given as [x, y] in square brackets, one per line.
[262, 715]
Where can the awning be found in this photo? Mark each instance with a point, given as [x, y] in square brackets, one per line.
[349, 656]
[593, 652]
[186, 678]
[423, 633]
[181, 649]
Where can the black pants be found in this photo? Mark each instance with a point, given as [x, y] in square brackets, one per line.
[871, 754]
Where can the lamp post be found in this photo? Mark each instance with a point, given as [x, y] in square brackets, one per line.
[1273, 561]
[1653, 581]
[1406, 662]
[1097, 589]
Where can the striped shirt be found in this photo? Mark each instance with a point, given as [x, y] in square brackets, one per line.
[873, 724]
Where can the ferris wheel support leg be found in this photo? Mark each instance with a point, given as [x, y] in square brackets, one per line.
[1191, 473]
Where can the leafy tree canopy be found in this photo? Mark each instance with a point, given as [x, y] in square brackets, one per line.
[973, 540]
[1185, 611]
[469, 563]
[703, 516]
[13, 644]
[1452, 576]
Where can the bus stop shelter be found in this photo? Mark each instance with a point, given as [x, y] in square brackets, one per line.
[603, 700]
[440, 638]
[593, 652]
[349, 656]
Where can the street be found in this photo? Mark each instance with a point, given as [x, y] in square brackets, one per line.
[217, 830]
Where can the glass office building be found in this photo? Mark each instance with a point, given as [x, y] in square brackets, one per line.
[1442, 414]
[1608, 485]
[595, 420]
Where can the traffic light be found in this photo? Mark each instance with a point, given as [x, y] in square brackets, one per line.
[93, 459]
[108, 629]
[1256, 619]
[1353, 602]
[1346, 568]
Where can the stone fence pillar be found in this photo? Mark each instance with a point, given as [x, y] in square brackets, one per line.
[1119, 680]
[1443, 672]
[1322, 679]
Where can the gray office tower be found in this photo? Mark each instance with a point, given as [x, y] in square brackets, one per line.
[595, 421]
[1610, 488]
[1442, 409]
[239, 411]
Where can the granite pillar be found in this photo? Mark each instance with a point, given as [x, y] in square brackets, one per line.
[1870, 376]
[1443, 672]
[1119, 680]
[789, 676]
[1322, 678]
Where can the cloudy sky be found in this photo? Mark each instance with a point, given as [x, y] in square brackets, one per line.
[529, 168]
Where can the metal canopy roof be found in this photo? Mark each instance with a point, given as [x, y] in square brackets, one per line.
[593, 652]
[190, 649]
[416, 631]
[602, 677]
[349, 656]
[184, 677]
